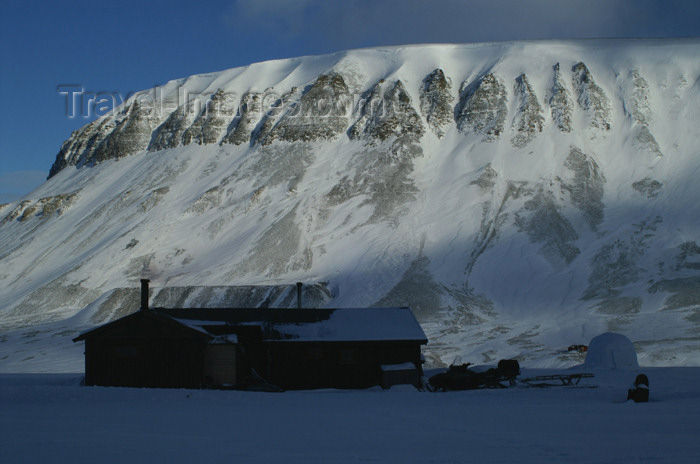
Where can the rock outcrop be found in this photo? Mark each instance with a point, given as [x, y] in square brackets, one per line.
[320, 114]
[637, 107]
[212, 121]
[529, 118]
[544, 222]
[391, 128]
[436, 101]
[127, 133]
[482, 107]
[591, 98]
[560, 103]
[131, 135]
[44, 208]
[637, 104]
[586, 186]
[82, 143]
[169, 134]
[387, 114]
[249, 113]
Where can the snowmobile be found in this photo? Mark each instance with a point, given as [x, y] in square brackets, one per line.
[459, 377]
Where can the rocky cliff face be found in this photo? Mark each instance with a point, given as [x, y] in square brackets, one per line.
[327, 109]
[320, 114]
[591, 98]
[529, 118]
[436, 101]
[562, 107]
[243, 125]
[127, 133]
[546, 198]
[212, 121]
[482, 107]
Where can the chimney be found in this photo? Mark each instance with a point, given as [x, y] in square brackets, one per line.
[144, 294]
[299, 284]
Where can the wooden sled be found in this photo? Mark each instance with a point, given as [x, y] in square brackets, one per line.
[558, 380]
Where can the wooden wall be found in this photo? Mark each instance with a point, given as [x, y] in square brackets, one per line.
[308, 365]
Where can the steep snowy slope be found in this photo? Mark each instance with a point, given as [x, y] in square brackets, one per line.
[520, 197]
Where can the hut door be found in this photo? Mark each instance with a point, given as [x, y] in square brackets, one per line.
[220, 366]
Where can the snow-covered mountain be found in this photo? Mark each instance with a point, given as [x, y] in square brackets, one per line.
[520, 197]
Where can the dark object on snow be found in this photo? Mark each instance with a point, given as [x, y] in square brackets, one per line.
[509, 368]
[459, 377]
[639, 392]
[579, 348]
[290, 349]
[562, 380]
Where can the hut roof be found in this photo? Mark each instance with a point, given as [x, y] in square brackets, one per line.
[346, 324]
[290, 325]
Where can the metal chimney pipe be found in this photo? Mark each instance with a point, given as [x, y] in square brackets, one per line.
[299, 284]
[144, 294]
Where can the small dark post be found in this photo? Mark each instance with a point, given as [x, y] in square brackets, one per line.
[639, 392]
[144, 294]
[299, 284]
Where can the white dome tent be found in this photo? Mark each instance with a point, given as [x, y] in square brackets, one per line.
[611, 351]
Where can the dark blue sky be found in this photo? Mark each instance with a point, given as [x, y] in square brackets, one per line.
[127, 46]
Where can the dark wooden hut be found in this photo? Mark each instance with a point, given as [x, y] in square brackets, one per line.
[256, 348]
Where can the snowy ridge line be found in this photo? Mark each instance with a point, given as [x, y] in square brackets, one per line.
[176, 110]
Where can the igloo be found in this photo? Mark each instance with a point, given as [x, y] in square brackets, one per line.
[611, 351]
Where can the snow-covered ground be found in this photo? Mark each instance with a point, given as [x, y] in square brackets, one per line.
[51, 418]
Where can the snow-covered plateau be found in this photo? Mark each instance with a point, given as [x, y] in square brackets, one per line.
[520, 197]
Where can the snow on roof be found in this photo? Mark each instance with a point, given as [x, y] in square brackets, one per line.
[286, 325]
[277, 324]
[357, 324]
